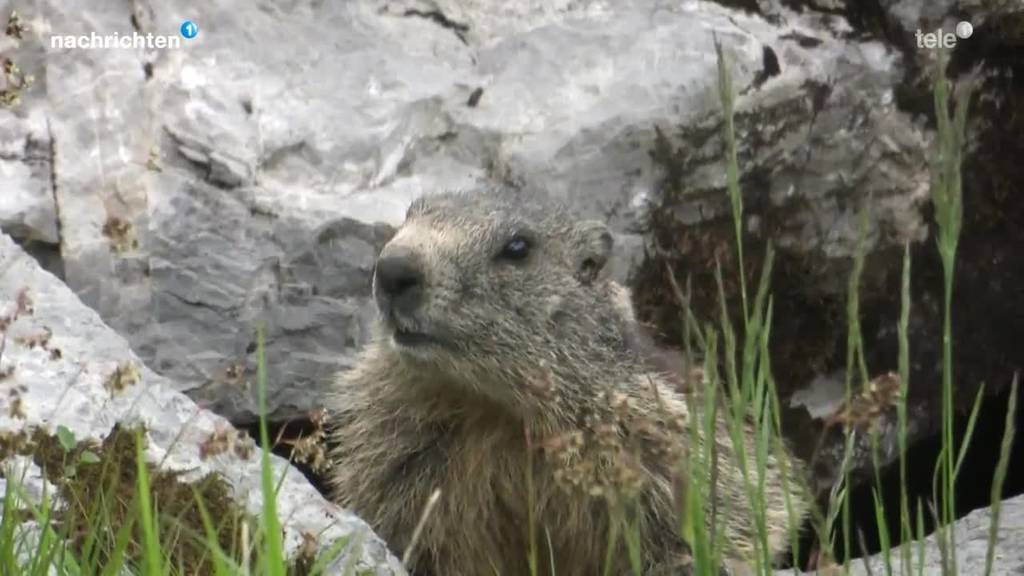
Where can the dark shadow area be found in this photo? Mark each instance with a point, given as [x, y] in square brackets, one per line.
[282, 436]
[48, 255]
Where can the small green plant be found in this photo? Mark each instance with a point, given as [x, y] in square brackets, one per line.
[69, 443]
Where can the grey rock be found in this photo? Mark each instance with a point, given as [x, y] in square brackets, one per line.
[192, 183]
[971, 534]
[913, 15]
[71, 389]
[826, 142]
[216, 166]
[27, 207]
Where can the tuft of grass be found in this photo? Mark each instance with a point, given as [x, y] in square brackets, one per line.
[751, 400]
[750, 386]
[104, 490]
[114, 513]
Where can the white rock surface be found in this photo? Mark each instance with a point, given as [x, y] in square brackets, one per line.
[27, 206]
[69, 389]
[972, 535]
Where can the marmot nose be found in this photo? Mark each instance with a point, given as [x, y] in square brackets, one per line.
[399, 280]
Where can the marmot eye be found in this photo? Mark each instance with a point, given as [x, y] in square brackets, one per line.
[516, 249]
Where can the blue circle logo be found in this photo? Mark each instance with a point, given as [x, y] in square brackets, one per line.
[189, 29]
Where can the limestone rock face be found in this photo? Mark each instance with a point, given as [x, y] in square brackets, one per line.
[254, 171]
[63, 366]
[27, 207]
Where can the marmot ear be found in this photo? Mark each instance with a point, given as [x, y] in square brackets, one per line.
[593, 250]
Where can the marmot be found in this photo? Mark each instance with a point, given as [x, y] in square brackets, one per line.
[505, 371]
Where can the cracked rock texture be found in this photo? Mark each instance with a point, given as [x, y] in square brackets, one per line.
[252, 173]
[72, 388]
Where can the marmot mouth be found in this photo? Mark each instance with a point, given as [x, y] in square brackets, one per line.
[408, 338]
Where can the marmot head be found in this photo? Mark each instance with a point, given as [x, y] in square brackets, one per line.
[496, 287]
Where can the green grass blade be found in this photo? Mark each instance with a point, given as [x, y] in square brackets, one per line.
[880, 516]
[883, 533]
[634, 547]
[220, 565]
[152, 558]
[272, 539]
[8, 523]
[329, 557]
[969, 432]
[613, 542]
[903, 331]
[947, 199]
[551, 553]
[116, 563]
[1009, 431]
[726, 96]
[920, 539]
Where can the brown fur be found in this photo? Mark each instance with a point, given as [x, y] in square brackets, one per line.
[536, 368]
